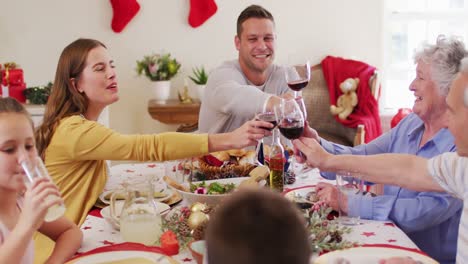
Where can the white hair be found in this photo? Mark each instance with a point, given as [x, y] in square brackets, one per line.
[464, 70]
[444, 58]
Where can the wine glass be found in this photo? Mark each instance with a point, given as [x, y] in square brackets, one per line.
[267, 116]
[290, 119]
[297, 74]
[291, 125]
[290, 122]
[350, 186]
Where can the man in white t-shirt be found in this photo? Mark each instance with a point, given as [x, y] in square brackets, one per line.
[447, 172]
[240, 88]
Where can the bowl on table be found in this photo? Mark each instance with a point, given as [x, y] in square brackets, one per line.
[256, 179]
[209, 199]
[212, 199]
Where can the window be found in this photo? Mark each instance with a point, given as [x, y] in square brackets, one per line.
[407, 25]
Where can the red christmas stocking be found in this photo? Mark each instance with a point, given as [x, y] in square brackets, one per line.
[124, 11]
[200, 11]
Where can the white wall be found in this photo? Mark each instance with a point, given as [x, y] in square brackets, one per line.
[33, 34]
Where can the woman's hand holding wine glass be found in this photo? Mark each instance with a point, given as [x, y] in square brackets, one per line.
[267, 116]
[290, 120]
[291, 124]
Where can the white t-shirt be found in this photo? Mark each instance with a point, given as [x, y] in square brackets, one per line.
[450, 171]
[28, 257]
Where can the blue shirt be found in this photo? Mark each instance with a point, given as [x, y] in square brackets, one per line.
[430, 219]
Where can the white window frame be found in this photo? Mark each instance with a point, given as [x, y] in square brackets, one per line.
[394, 15]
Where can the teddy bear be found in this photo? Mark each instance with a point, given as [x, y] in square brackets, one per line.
[348, 100]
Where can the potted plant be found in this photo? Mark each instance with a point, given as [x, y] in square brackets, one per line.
[199, 77]
[159, 68]
[38, 94]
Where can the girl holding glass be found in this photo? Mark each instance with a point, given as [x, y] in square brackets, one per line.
[23, 208]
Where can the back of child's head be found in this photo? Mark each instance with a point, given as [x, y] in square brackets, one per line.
[257, 226]
[10, 105]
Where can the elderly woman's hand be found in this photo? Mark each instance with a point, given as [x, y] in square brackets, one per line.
[310, 132]
[329, 194]
[312, 153]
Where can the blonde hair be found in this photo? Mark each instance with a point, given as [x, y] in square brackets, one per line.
[64, 99]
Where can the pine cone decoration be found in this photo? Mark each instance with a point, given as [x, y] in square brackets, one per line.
[335, 237]
[184, 229]
[199, 232]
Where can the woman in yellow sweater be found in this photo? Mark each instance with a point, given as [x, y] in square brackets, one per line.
[75, 147]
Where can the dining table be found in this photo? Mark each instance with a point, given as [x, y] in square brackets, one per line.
[99, 233]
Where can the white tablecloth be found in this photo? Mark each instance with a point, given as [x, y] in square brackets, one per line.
[97, 232]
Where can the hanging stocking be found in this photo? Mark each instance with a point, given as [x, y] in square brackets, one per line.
[200, 11]
[124, 11]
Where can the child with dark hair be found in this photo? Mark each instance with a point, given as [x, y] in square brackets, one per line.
[257, 226]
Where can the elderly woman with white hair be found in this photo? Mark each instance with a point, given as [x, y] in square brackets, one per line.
[430, 219]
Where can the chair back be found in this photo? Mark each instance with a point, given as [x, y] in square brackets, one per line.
[317, 101]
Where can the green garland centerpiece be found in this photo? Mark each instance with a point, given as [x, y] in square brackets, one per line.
[325, 233]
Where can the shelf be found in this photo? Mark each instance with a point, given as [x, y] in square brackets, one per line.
[174, 112]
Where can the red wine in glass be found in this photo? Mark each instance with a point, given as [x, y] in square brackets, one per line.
[267, 117]
[298, 84]
[291, 129]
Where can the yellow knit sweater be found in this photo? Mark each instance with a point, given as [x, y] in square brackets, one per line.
[76, 160]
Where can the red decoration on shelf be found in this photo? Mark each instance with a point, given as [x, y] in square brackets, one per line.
[12, 82]
[124, 11]
[389, 224]
[200, 11]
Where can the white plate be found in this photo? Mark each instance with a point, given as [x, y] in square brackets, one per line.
[162, 208]
[370, 255]
[121, 256]
[301, 192]
[167, 194]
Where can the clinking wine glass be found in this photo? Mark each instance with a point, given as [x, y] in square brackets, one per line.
[290, 121]
[267, 116]
[297, 75]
